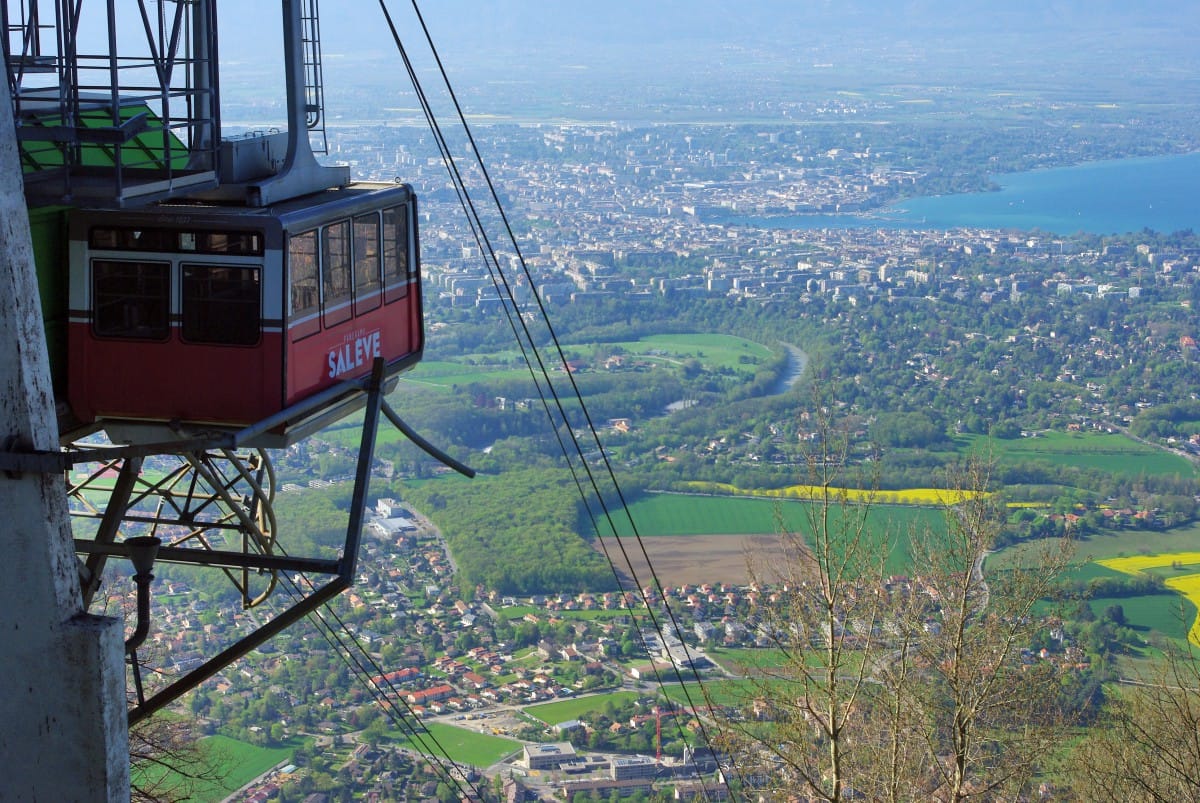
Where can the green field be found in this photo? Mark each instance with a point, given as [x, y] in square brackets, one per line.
[1171, 615]
[686, 514]
[445, 374]
[566, 710]
[1112, 453]
[1168, 614]
[459, 744]
[239, 763]
[1076, 572]
[747, 660]
[714, 351]
[720, 692]
[1120, 543]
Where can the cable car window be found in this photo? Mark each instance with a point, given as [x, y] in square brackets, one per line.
[231, 242]
[395, 252]
[221, 304]
[305, 288]
[367, 279]
[335, 272]
[103, 237]
[130, 238]
[131, 299]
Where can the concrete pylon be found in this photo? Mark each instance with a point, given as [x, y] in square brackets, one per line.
[63, 714]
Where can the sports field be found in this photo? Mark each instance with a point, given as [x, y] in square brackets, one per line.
[565, 710]
[459, 744]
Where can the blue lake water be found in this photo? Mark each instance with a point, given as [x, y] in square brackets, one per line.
[1122, 195]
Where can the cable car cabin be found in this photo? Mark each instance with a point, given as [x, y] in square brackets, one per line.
[223, 316]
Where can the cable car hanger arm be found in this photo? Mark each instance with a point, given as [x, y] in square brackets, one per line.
[424, 445]
[15, 459]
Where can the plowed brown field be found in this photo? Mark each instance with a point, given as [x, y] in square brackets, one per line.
[696, 559]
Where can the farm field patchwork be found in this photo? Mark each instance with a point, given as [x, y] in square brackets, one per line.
[1140, 563]
[1123, 543]
[694, 559]
[699, 539]
[662, 514]
[1188, 585]
[928, 497]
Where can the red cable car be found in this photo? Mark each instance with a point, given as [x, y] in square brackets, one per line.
[215, 298]
[216, 315]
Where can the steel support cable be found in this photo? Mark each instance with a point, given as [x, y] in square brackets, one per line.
[511, 306]
[410, 725]
[348, 560]
[562, 357]
[489, 252]
[490, 259]
[456, 177]
[495, 274]
[341, 645]
[413, 730]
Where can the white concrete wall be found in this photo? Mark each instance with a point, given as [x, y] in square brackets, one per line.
[63, 732]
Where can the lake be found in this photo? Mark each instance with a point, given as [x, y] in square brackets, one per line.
[1107, 197]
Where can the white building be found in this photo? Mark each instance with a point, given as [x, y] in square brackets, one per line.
[547, 756]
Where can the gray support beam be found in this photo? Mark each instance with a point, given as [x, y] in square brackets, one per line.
[107, 533]
[64, 736]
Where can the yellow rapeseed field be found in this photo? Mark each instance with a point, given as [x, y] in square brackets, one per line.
[1140, 563]
[1188, 585]
[925, 497]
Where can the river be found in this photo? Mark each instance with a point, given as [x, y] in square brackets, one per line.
[796, 363]
[793, 370]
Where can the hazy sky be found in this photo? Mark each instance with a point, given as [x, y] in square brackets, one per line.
[472, 29]
[580, 47]
[527, 21]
